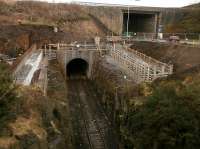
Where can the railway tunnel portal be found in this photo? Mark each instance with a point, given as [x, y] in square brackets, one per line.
[76, 60]
[77, 67]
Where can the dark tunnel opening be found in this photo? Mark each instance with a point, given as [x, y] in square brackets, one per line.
[77, 68]
[139, 22]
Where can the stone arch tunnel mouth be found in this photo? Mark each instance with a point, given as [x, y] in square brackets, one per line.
[77, 68]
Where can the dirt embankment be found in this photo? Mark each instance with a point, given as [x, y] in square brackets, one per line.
[21, 26]
[23, 23]
[22, 36]
[15, 39]
[182, 57]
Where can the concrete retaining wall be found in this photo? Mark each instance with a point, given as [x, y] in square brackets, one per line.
[24, 58]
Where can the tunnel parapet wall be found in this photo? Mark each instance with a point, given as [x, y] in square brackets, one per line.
[65, 56]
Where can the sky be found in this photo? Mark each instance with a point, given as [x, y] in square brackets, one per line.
[154, 3]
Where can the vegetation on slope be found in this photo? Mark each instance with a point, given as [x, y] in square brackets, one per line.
[26, 22]
[7, 95]
[188, 22]
[21, 111]
[43, 13]
[169, 117]
[164, 114]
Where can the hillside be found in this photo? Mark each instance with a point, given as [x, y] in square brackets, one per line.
[186, 19]
[193, 6]
[25, 22]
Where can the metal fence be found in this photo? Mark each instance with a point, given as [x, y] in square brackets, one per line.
[139, 66]
[184, 38]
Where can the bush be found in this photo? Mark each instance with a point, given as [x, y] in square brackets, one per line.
[169, 119]
[6, 9]
[5, 78]
[14, 49]
[7, 95]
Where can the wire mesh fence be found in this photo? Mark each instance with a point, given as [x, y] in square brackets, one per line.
[182, 38]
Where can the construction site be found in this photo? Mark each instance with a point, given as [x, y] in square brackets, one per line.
[85, 75]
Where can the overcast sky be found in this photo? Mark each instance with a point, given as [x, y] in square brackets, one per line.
[156, 3]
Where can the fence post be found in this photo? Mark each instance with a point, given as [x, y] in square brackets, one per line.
[148, 72]
[58, 46]
[199, 39]
[163, 69]
[49, 52]
[154, 72]
[114, 46]
[171, 69]
[45, 50]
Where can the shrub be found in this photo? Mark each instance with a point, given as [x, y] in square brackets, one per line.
[7, 95]
[168, 119]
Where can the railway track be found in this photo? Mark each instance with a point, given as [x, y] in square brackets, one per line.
[107, 129]
[91, 127]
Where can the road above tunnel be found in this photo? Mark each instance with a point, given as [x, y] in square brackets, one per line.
[91, 127]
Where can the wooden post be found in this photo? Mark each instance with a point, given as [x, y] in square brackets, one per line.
[154, 72]
[148, 72]
[85, 45]
[45, 50]
[199, 38]
[171, 69]
[163, 69]
[49, 52]
[58, 46]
